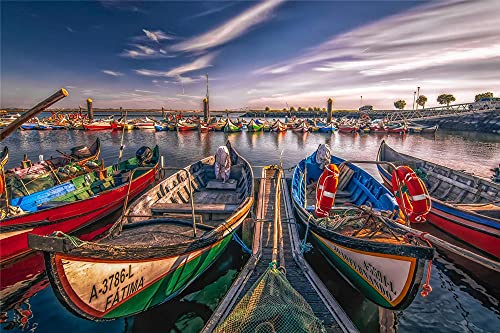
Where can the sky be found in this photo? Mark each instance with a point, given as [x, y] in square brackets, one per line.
[275, 53]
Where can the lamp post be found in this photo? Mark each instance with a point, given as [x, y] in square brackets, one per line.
[414, 94]
[361, 102]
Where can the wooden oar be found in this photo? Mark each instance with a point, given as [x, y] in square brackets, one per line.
[58, 95]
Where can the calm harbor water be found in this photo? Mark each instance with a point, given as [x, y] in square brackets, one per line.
[465, 298]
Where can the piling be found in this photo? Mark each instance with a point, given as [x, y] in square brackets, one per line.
[206, 109]
[276, 239]
[329, 110]
[90, 111]
[121, 112]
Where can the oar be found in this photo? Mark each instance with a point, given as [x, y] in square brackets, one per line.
[58, 95]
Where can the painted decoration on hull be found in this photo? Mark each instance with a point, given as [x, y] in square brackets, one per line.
[389, 276]
[111, 284]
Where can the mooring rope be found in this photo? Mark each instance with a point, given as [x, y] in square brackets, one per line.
[238, 240]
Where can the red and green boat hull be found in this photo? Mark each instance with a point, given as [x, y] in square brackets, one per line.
[121, 288]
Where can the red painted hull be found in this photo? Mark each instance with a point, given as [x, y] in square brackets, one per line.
[97, 127]
[67, 218]
[467, 231]
[479, 236]
[348, 129]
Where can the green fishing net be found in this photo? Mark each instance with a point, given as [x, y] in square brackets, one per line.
[272, 305]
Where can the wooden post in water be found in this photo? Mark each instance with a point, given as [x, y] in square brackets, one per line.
[90, 111]
[206, 111]
[58, 95]
[121, 112]
[329, 110]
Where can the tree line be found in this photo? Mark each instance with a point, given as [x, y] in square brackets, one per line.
[441, 99]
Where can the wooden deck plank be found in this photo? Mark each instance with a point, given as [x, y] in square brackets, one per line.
[167, 207]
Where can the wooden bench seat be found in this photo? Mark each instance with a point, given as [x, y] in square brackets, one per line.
[160, 208]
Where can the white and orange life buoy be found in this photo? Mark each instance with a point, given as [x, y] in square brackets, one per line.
[418, 203]
[326, 190]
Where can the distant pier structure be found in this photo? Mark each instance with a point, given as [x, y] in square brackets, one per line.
[329, 109]
[90, 110]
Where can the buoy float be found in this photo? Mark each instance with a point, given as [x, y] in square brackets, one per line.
[326, 190]
[418, 203]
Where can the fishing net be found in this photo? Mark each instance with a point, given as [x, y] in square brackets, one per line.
[272, 305]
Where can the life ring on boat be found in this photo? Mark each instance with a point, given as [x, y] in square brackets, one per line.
[418, 203]
[326, 190]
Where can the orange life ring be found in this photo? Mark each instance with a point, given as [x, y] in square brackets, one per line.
[418, 203]
[326, 190]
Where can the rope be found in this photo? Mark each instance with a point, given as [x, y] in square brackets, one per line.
[74, 240]
[426, 287]
[304, 246]
[238, 240]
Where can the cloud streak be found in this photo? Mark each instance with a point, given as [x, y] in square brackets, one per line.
[157, 36]
[453, 41]
[230, 30]
[112, 73]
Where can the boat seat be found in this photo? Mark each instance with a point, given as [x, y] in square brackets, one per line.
[215, 184]
[167, 207]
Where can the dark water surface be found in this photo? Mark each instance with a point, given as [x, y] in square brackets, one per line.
[465, 297]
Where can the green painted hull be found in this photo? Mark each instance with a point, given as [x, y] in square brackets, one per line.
[170, 285]
[255, 128]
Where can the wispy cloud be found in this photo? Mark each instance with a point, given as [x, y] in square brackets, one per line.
[69, 29]
[232, 29]
[158, 35]
[112, 73]
[145, 91]
[211, 11]
[121, 5]
[453, 41]
[177, 72]
[145, 52]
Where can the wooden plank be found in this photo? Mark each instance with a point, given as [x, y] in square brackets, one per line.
[160, 208]
[214, 184]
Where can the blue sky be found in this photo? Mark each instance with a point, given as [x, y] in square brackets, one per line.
[271, 53]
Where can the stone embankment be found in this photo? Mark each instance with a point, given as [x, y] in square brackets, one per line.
[486, 122]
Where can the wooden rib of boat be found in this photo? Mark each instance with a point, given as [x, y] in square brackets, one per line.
[463, 205]
[231, 127]
[157, 254]
[279, 126]
[360, 237]
[33, 177]
[75, 204]
[252, 126]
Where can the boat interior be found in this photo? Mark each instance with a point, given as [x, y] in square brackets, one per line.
[214, 201]
[454, 187]
[355, 187]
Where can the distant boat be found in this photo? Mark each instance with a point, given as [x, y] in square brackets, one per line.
[279, 126]
[252, 126]
[231, 127]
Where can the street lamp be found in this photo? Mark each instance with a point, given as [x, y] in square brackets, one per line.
[414, 93]
[361, 102]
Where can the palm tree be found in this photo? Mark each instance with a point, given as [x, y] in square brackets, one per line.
[483, 95]
[421, 100]
[446, 99]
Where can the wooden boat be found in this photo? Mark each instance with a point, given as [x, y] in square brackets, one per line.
[231, 127]
[33, 177]
[157, 254]
[185, 126]
[144, 123]
[348, 128]
[463, 205]
[301, 127]
[220, 125]
[252, 126]
[161, 127]
[397, 128]
[204, 127]
[422, 129]
[279, 126]
[97, 126]
[327, 128]
[360, 236]
[77, 203]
